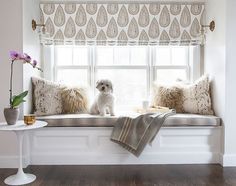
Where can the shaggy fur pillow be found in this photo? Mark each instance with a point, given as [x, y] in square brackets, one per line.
[46, 97]
[74, 100]
[168, 96]
[196, 97]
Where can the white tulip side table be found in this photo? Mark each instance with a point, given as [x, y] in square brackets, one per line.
[20, 178]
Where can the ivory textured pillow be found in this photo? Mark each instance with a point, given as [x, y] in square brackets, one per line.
[74, 100]
[46, 97]
[168, 96]
[196, 97]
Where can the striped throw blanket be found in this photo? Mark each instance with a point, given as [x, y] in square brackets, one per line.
[135, 133]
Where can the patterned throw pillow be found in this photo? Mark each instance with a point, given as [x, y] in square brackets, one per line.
[168, 96]
[196, 97]
[46, 97]
[74, 100]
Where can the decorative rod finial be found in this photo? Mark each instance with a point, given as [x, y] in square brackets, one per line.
[212, 26]
[35, 24]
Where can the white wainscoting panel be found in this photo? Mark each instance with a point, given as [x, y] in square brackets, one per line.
[92, 146]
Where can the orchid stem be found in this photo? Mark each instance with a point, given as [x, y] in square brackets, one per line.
[11, 83]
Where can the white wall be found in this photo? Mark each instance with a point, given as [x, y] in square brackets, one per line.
[230, 99]
[31, 46]
[10, 39]
[220, 63]
[215, 53]
[15, 34]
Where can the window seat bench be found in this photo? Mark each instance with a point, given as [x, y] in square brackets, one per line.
[82, 139]
[86, 120]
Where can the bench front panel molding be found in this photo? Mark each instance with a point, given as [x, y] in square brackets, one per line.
[92, 145]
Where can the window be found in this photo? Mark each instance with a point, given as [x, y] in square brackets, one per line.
[132, 69]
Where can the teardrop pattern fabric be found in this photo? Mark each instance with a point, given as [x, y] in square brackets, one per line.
[59, 35]
[164, 38]
[91, 8]
[154, 9]
[203, 16]
[133, 30]
[153, 31]
[195, 28]
[196, 9]
[101, 38]
[133, 9]
[48, 8]
[175, 9]
[70, 29]
[91, 30]
[112, 29]
[59, 38]
[112, 8]
[80, 38]
[80, 35]
[143, 19]
[122, 36]
[154, 22]
[164, 19]
[81, 17]
[101, 17]
[174, 29]
[59, 18]
[123, 17]
[41, 16]
[143, 38]
[185, 38]
[50, 27]
[70, 8]
[185, 19]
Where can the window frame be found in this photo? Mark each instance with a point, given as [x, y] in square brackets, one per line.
[192, 67]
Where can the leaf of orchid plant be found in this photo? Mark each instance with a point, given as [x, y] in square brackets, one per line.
[17, 100]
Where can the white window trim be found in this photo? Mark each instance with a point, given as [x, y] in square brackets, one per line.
[192, 68]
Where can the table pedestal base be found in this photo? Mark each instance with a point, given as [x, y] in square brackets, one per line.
[19, 179]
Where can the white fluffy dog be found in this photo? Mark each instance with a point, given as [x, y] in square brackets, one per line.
[104, 102]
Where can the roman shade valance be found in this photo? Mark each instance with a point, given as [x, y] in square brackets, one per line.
[122, 23]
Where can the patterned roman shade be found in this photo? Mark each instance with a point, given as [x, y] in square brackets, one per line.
[122, 23]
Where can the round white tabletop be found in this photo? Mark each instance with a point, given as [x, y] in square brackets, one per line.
[19, 128]
[20, 125]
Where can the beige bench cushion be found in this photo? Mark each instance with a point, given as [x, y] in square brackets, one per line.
[86, 120]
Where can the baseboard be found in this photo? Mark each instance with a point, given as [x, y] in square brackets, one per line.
[125, 159]
[229, 160]
[12, 161]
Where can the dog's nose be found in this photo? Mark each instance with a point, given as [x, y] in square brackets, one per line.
[103, 88]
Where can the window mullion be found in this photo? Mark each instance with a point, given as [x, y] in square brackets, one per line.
[154, 57]
[93, 60]
[149, 71]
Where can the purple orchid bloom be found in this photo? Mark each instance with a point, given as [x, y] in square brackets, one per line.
[34, 63]
[15, 55]
[27, 58]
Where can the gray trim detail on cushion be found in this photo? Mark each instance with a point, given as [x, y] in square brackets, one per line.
[86, 120]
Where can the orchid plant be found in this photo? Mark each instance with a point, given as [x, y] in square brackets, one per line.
[16, 100]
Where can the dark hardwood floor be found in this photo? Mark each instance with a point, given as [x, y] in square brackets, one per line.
[143, 175]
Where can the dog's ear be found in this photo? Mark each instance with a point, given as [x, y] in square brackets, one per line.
[111, 88]
[97, 83]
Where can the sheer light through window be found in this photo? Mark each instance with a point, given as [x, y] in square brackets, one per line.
[132, 69]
